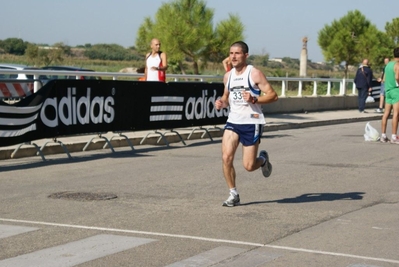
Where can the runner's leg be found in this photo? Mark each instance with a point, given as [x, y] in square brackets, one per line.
[230, 142]
[250, 159]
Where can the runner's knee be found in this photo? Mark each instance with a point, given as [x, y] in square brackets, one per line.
[250, 166]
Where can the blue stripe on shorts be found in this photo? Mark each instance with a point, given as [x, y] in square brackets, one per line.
[249, 134]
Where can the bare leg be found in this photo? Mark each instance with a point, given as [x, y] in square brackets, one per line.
[230, 142]
[395, 118]
[250, 159]
[384, 121]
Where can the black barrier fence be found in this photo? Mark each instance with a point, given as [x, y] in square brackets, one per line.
[72, 107]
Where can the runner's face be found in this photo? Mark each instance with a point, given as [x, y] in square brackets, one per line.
[237, 57]
[156, 45]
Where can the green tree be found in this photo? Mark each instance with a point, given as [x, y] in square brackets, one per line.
[144, 36]
[63, 49]
[259, 60]
[349, 39]
[392, 30]
[14, 46]
[47, 55]
[374, 45]
[226, 32]
[186, 28]
[186, 32]
[32, 53]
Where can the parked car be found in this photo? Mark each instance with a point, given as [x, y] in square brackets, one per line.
[69, 68]
[376, 88]
[16, 90]
[19, 76]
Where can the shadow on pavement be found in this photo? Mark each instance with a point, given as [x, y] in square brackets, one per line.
[313, 197]
[78, 157]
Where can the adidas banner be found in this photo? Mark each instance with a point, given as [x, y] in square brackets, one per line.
[71, 107]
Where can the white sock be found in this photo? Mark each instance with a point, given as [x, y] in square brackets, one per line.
[383, 135]
[233, 191]
[394, 137]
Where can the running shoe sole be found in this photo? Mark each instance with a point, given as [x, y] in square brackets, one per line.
[234, 202]
[267, 168]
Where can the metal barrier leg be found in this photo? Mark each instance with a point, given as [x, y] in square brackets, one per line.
[120, 135]
[176, 132]
[200, 129]
[101, 137]
[211, 128]
[58, 142]
[31, 144]
[156, 132]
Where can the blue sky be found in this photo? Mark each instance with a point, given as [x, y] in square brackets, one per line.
[274, 27]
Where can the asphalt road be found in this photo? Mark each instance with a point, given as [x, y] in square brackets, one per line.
[332, 200]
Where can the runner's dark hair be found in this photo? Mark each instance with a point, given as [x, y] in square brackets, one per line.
[243, 45]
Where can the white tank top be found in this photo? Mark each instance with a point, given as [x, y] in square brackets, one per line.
[153, 61]
[242, 112]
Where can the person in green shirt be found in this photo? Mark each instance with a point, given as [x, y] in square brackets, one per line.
[391, 81]
[380, 108]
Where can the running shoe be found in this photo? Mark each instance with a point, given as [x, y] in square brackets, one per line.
[233, 200]
[379, 110]
[384, 139]
[267, 166]
[395, 141]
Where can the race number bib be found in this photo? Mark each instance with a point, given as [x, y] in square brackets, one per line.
[237, 95]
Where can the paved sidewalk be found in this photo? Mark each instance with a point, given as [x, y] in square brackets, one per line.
[275, 122]
[311, 119]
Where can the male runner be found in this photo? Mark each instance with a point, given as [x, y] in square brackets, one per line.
[246, 89]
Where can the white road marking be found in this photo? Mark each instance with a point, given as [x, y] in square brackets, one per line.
[209, 257]
[379, 228]
[332, 254]
[251, 258]
[203, 239]
[76, 252]
[10, 230]
[134, 232]
[227, 256]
